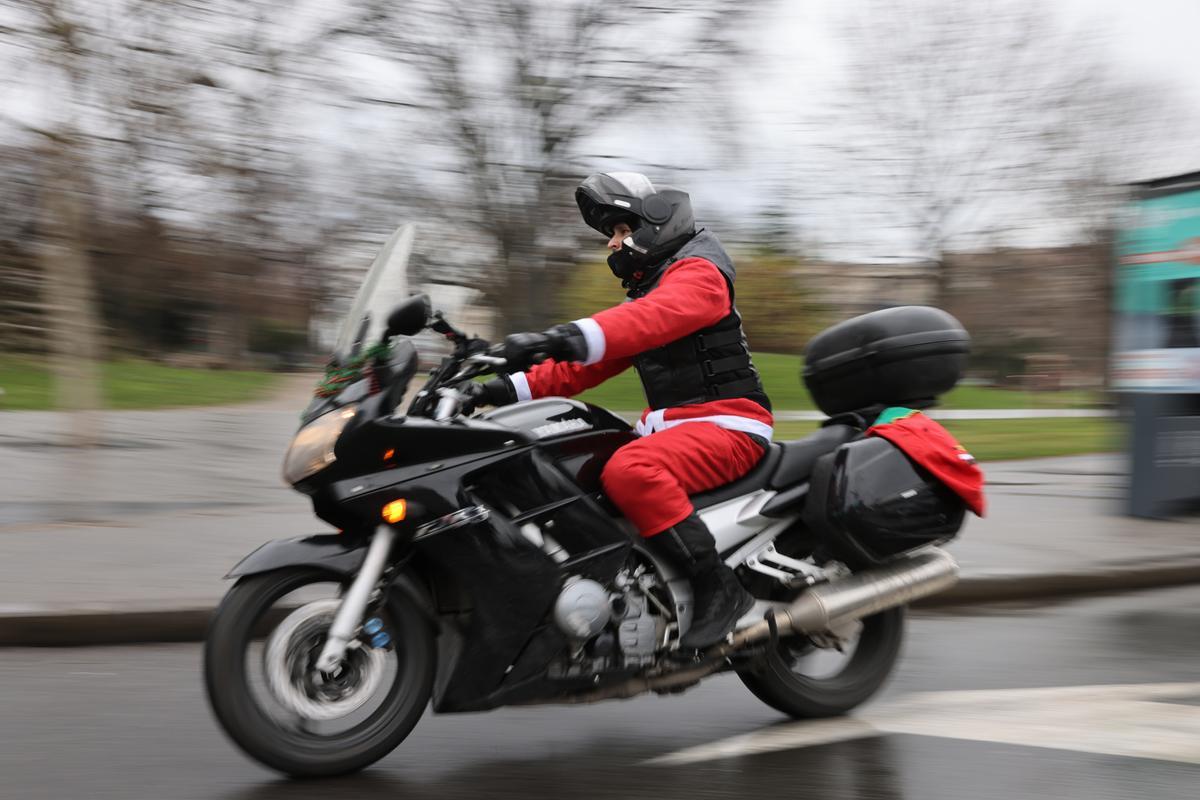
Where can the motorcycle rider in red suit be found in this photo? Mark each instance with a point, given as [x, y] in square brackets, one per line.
[709, 420]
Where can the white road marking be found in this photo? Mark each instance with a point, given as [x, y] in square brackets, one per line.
[1135, 720]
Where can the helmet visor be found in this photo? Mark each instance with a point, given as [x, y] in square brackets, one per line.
[606, 199]
[603, 216]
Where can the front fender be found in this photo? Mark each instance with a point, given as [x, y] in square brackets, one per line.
[333, 553]
[329, 551]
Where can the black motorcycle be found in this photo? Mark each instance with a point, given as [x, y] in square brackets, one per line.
[477, 562]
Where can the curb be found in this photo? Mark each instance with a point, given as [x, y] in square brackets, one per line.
[132, 624]
[117, 624]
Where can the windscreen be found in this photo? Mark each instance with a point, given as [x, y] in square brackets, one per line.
[384, 287]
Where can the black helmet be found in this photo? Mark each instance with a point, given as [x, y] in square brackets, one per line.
[661, 219]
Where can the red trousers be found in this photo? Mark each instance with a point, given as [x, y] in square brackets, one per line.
[650, 479]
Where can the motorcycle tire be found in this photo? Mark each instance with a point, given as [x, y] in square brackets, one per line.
[779, 685]
[240, 618]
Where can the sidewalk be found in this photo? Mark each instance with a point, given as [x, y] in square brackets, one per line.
[130, 540]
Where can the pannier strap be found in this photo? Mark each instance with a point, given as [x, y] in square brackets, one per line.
[708, 341]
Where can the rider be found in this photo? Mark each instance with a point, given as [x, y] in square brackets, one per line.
[709, 420]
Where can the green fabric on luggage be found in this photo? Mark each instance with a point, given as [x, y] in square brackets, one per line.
[894, 413]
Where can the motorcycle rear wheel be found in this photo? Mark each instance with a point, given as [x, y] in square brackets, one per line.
[786, 686]
[297, 749]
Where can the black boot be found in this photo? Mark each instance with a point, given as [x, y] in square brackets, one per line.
[720, 599]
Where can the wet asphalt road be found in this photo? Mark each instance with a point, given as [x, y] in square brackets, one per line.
[132, 723]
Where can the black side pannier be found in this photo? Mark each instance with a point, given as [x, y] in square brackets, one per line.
[868, 502]
[904, 356]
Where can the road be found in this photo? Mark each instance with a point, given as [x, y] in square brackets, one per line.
[954, 723]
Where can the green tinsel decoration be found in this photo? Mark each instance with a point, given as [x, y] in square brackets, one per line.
[338, 378]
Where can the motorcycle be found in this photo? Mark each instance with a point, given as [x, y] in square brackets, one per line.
[477, 563]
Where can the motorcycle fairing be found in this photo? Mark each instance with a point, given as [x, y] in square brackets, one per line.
[554, 417]
[493, 584]
[505, 645]
[512, 586]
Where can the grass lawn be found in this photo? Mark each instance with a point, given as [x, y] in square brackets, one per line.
[134, 384]
[996, 439]
[781, 377]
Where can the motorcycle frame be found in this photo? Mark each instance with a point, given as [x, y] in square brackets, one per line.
[489, 585]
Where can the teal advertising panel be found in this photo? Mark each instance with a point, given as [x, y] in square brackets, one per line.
[1156, 360]
[1157, 346]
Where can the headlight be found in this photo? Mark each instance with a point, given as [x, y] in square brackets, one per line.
[312, 449]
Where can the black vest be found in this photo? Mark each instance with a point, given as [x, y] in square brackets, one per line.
[710, 364]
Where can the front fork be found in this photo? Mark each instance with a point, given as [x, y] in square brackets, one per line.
[354, 603]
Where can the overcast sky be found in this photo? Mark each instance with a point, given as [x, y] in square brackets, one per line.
[800, 59]
[794, 71]
[1155, 37]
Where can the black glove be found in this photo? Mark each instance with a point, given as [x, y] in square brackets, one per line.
[496, 392]
[562, 343]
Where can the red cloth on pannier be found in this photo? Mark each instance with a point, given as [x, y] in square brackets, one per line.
[930, 445]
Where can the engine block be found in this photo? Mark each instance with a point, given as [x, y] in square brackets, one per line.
[620, 627]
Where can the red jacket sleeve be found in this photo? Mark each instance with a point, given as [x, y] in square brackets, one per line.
[692, 295]
[565, 378]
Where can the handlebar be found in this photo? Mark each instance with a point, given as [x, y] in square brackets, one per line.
[473, 366]
[471, 358]
[489, 360]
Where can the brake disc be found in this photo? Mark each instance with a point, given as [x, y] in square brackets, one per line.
[298, 686]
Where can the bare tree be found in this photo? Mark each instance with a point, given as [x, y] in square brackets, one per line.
[951, 115]
[1115, 130]
[21, 309]
[505, 92]
[198, 142]
[57, 33]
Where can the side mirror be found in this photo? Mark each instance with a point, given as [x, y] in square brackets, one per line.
[410, 317]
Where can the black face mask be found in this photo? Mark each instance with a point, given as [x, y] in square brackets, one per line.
[624, 263]
[630, 259]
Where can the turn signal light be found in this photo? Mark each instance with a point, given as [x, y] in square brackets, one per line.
[395, 511]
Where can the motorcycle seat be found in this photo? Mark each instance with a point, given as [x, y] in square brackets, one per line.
[784, 465]
[800, 456]
[757, 478]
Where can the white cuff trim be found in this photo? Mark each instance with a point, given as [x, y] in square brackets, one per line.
[594, 336]
[521, 386]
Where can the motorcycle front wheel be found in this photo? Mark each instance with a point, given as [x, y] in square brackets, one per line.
[259, 653]
[809, 682]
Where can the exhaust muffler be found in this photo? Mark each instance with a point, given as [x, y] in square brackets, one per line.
[829, 605]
